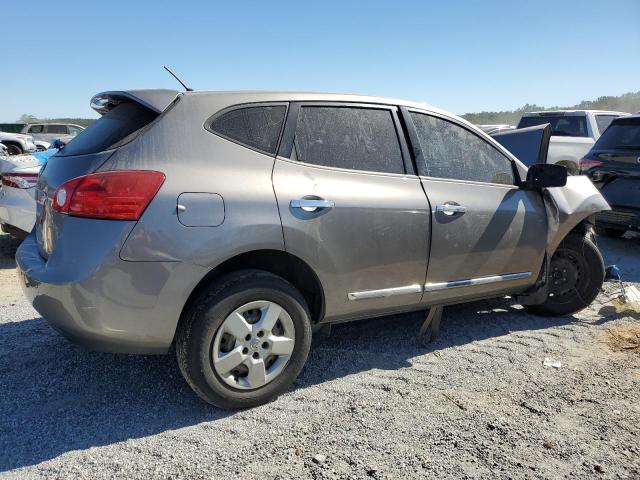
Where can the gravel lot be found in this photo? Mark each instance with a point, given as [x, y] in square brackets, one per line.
[371, 403]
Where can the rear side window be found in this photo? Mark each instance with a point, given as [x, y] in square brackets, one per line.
[451, 151]
[111, 130]
[561, 125]
[603, 121]
[57, 129]
[349, 137]
[257, 127]
[36, 129]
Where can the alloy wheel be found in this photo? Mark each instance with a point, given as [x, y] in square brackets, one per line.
[253, 345]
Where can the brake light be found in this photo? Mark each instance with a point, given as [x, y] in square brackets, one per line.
[116, 195]
[587, 163]
[19, 180]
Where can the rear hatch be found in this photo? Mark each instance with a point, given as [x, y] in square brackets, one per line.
[125, 115]
[613, 164]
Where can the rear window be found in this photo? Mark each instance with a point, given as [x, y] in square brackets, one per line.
[561, 125]
[115, 128]
[620, 136]
[257, 127]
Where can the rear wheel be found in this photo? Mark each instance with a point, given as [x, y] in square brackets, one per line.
[611, 232]
[13, 149]
[245, 340]
[576, 274]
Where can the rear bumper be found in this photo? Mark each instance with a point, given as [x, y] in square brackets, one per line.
[107, 304]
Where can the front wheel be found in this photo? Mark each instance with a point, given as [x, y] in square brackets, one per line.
[576, 274]
[245, 340]
[13, 149]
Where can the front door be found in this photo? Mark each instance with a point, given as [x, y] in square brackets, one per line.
[350, 210]
[488, 235]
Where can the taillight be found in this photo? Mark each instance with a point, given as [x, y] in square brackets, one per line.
[117, 195]
[587, 163]
[19, 180]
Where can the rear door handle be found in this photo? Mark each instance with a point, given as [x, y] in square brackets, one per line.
[311, 205]
[450, 208]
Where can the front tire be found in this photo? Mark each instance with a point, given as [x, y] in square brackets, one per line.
[576, 274]
[245, 340]
[13, 149]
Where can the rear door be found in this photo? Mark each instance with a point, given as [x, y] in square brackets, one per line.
[487, 235]
[352, 208]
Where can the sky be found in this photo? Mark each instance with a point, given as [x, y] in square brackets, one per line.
[463, 56]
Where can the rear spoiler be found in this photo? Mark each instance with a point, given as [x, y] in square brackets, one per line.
[530, 145]
[156, 100]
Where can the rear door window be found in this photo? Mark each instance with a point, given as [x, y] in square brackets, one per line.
[257, 127]
[348, 137]
[603, 121]
[451, 151]
[114, 128]
[57, 129]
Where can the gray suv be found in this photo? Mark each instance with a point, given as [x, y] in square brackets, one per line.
[231, 225]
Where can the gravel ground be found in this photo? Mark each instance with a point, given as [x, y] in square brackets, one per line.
[371, 403]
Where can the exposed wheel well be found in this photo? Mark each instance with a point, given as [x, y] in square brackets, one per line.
[8, 143]
[278, 262]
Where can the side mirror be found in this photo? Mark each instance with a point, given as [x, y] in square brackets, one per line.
[542, 175]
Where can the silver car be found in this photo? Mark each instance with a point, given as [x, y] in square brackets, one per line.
[233, 224]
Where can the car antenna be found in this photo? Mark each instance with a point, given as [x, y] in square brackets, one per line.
[176, 77]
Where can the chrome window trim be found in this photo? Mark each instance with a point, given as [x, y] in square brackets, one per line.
[469, 282]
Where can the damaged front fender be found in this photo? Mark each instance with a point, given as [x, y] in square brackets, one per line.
[568, 206]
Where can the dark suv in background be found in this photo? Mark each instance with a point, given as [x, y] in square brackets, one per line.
[613, 165]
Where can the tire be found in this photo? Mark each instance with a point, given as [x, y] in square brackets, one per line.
[203, 339]
[40, 148]
[572, 290]
[13, 149]
[611, 232]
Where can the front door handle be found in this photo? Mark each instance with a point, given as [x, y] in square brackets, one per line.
[311, 204]
[450, 208]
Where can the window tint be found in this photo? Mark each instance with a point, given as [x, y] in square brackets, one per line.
[347, 137]
[604, 121]
[36, 129]
[58, 129]
[115, 127]
[622, 135]
[256, 127]
[561, 125]
[451, 151]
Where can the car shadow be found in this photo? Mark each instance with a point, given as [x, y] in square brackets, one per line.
[57, 397]
[622, 252]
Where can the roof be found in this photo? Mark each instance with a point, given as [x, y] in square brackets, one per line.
[546, 112]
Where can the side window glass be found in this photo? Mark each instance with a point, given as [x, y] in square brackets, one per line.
[603, 121]
[74, 130]
[57, 129]
[36, 129]
[256, 127]
[349, 137]
[451, 151]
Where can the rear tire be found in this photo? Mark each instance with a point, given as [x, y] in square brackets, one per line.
[611, 232]
[234, 318]
[13, 149]
[576, 274]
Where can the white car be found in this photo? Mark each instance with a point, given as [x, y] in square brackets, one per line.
[18, 196]
[17, 143]
[573, 132]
